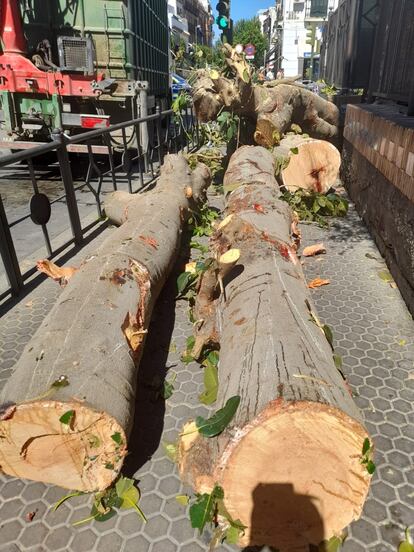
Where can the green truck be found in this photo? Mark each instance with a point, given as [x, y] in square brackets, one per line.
[80, 64]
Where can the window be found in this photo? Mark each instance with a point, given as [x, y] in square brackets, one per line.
[319, 8]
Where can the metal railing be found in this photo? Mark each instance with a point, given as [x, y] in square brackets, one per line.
[127, 156]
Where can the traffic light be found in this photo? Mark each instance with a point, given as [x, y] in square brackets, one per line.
[310, 35]
[223, 18]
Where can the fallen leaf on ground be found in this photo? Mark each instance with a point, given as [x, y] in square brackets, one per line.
[402, 342]
[312, 250]
[318, 282]
[149, 241]
[60, 274]
[30, 515]
[29, 304]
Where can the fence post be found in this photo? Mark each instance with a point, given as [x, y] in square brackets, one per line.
[143, 127]
[8, 254]
[66, 174]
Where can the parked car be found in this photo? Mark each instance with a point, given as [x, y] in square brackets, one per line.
[179, 84]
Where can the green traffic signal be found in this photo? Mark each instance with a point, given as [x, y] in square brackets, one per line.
[222, 22]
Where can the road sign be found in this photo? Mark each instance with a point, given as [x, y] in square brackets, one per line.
[249, 50]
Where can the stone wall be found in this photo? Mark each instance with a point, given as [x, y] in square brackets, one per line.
[388, 214]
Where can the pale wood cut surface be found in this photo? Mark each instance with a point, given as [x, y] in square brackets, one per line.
[94, 335]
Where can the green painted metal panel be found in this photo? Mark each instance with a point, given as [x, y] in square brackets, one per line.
[130, 36]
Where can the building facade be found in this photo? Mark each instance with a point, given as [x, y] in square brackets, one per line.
[190, 21]
[269, 22]
[298, 20]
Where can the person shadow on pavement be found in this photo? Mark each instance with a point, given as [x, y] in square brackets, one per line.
[283, 520]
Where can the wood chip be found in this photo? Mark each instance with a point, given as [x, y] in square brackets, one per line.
[312, 250]
[318, 282]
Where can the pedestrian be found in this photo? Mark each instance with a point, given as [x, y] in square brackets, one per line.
[269, 74]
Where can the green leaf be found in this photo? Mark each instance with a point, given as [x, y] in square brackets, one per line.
[212, 359]
[232, 535]
[202, 511]
[170, 450]
[328, 334]
[332, 545]
[220, 420]
[168, 389]
[371, 467]
[211, 382]
[183, 281]
[109, 466]
[227, 188]
[295, 151]
[407, 545]
[65, 498]
[366, 446]
[117, 438]
[129, 494]
[182, 499]
[230, 133]
[62, 381]
[187, 359]
[386, 276]
[67, 417]
[246, 76]
[338, 361]
[190, 342]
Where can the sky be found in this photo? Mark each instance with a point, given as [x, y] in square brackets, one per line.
[241, 9]
[245, 9]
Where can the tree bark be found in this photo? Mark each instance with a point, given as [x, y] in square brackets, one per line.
[289, 462]
[94, 336]
[307, 164]
[272, 110]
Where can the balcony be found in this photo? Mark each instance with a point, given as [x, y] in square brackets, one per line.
[316, 9]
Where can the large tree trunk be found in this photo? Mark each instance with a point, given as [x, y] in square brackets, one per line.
[307, 164]
[94, 336]
[272, 110]
[289, 462]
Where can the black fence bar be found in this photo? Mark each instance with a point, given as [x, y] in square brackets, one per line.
[8, 254]
[166, 133]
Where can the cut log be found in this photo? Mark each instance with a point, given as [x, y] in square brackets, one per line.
[75, 436]
[289, 462]
[270, 111]
[307, 163]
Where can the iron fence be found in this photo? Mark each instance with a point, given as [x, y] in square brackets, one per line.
[127, 156]
[348, 41]
[392, 76]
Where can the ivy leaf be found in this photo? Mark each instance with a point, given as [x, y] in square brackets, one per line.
[202, 511]
[211, 382]
[117, 438]
[170, 450]
[295, 151]
[182, 499]
[220, 420]
[67, 417]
